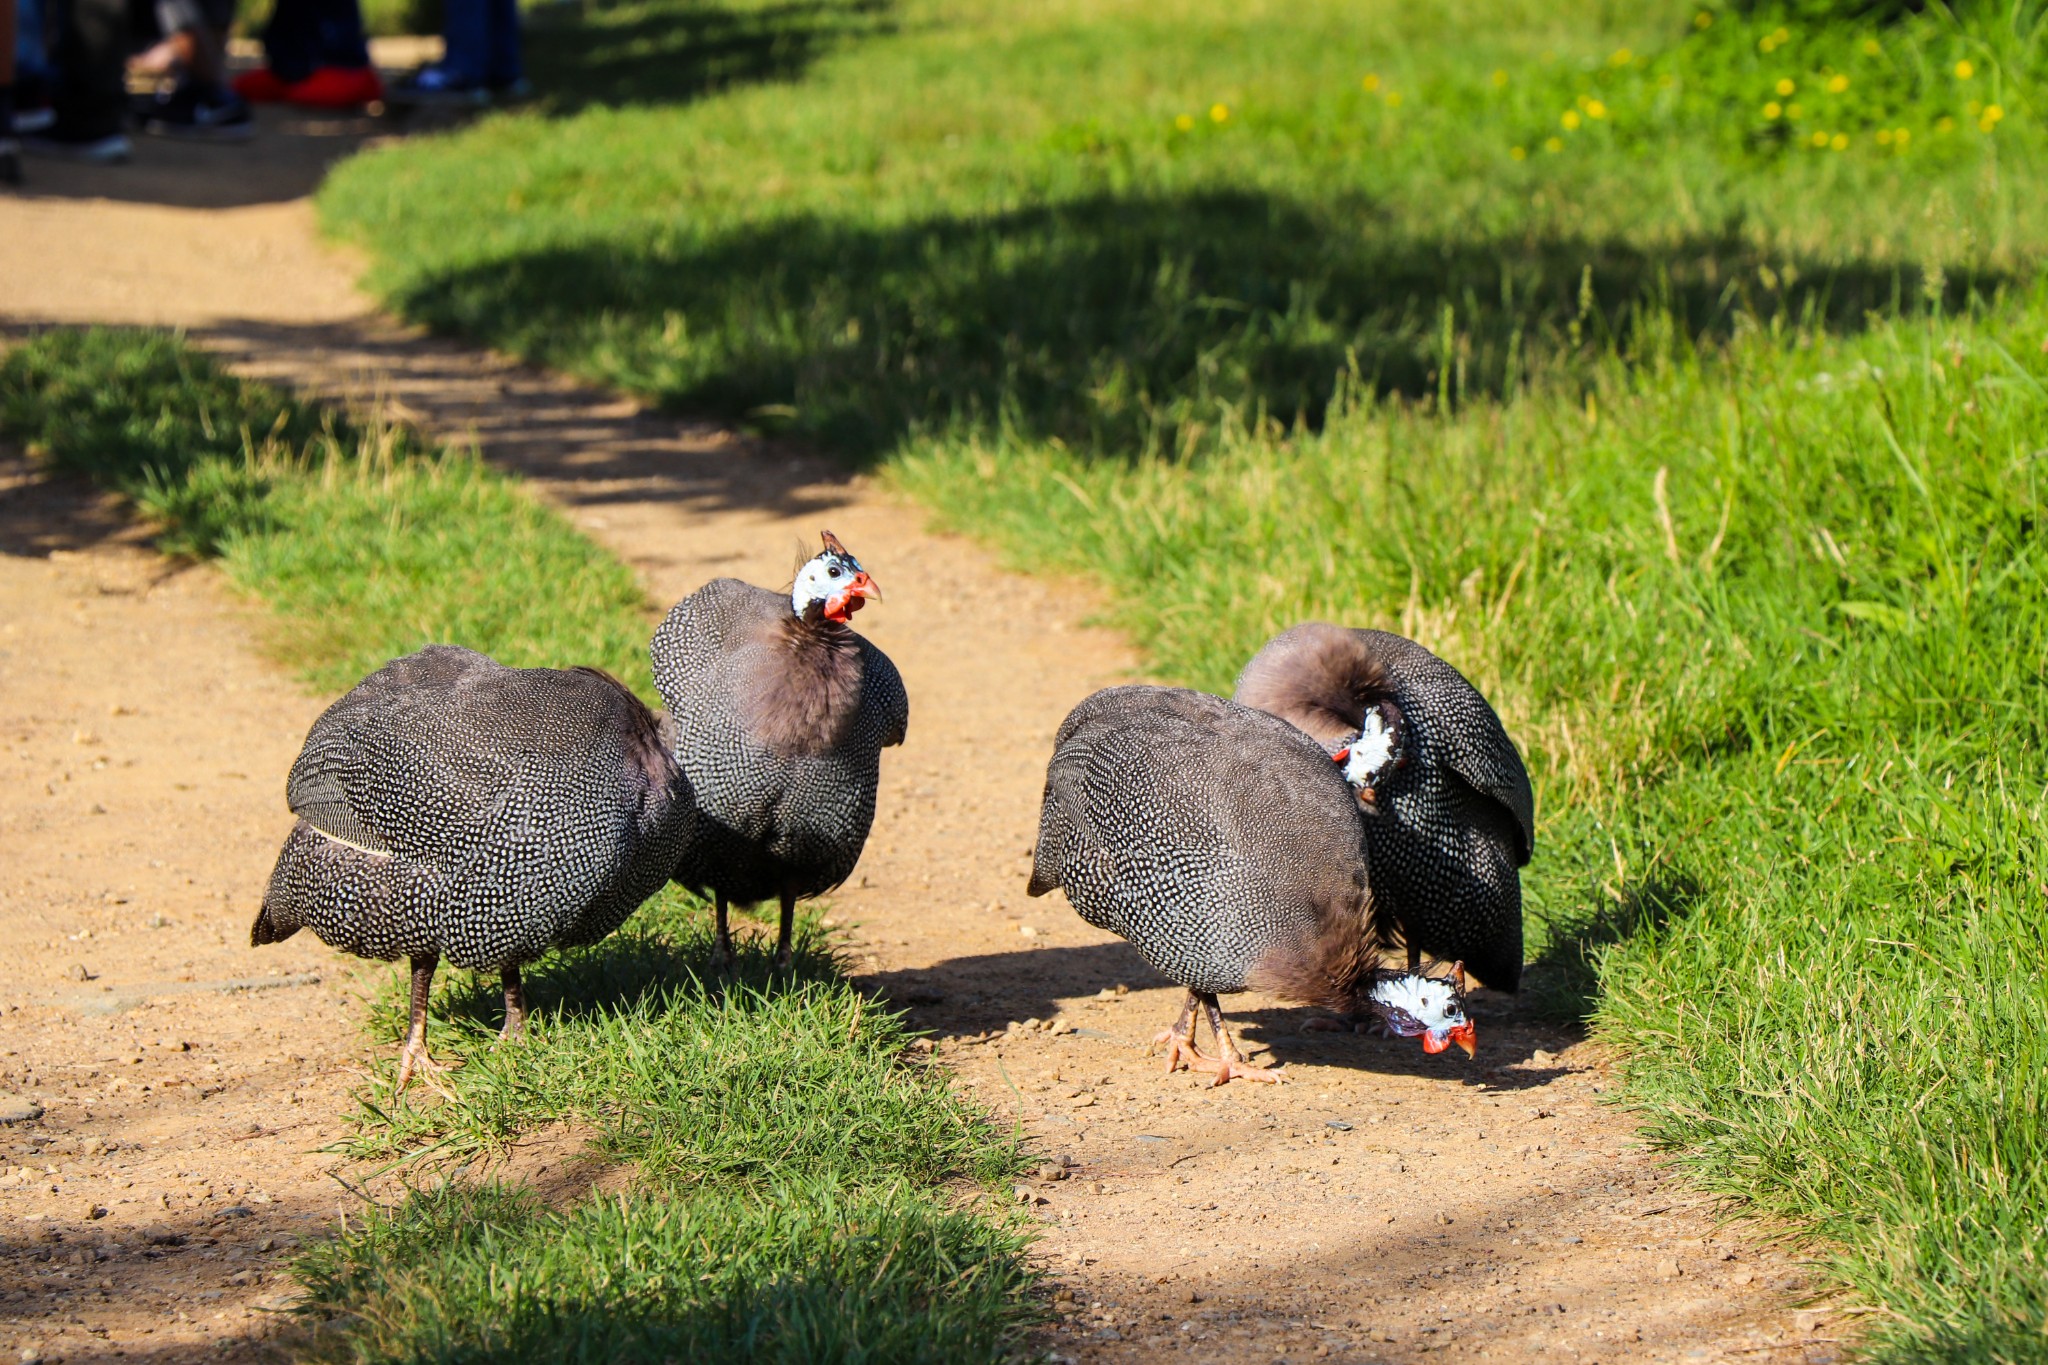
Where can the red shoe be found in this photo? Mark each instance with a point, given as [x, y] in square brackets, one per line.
[337, 87]
[260, 86]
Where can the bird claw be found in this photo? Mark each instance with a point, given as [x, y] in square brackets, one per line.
[1180, 1051]
[415, 1058]
[1236, 1068]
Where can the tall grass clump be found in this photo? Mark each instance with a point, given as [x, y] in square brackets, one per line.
[791, 1179]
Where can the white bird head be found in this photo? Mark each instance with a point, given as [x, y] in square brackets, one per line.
[1431, 1008]
[1368, 757]
[833, 584]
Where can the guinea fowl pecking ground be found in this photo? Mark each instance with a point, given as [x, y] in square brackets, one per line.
[936, 909]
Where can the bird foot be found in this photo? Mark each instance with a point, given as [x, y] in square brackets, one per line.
[1237, 1068]
[1180, 1051]
[723, 958]
[415, 1058]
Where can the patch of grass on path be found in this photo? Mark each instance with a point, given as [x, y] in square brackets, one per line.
[803, 1186]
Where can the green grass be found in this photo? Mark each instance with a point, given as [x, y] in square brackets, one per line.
[802, 1186]
[1698, 420]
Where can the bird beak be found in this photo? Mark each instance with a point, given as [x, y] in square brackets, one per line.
[1467, 1037]
[848, 600]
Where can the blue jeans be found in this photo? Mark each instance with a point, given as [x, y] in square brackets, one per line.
[482, 40]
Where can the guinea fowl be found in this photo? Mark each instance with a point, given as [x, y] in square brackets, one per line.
[1450, 815]
[452, 807]
[1224, 846]
[782, 713]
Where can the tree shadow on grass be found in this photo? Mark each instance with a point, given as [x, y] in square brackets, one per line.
[1123, 324]
[644, 54]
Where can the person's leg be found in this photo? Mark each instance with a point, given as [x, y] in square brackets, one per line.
[466, 39]
[89, 46]
[10, 150]
[504, 66]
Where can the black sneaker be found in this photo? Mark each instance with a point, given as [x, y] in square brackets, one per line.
[204, 116]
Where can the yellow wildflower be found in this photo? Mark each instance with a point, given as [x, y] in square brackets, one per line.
[1703, 20]
[1595, 109]
[1553, 143]
[1820, 139]
[1393, 99]
[1570, 120]
[1782, 36]
[1837, 84]
[1622, 57]
[1901, 136]
[1884, 137]
[1944, 124]
[1500, 78]
[1371, 84]
[1965, 69]
[1786, 87]
[1871, 48]
[1218, 113]
[1519, 153]
[1773, 109]
[1186, 123]
[1993, 113]
[1840, 142]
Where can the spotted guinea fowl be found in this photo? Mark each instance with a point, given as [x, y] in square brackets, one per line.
[782, 713]
[1224, 846]
[452, 807]
[1450, 815]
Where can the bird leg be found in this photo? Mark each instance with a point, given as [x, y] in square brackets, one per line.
[1230, 1063]
[515, 1005]
[413, 1057]
[1180, 1040]
[721, 942]
[782, 951]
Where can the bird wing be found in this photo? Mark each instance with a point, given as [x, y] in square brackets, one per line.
[443, 754]
[1463, 727]
[883, 694]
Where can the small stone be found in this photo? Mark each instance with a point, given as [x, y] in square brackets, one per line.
[1338, 1124]
[79, 973]
[1444, 1219]
[31, 1355]
[236, 1211]
[1027, 930]
[1667, 1269]
[14, 1110]
[1541, 1057]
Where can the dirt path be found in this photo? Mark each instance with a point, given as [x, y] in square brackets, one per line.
[1381, 1206]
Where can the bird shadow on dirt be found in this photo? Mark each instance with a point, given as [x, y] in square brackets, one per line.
[656, 965]
[966, 996]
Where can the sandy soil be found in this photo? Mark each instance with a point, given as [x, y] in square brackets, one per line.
[1379, 1206]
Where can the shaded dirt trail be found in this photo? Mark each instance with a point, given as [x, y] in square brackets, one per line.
[1380, 1206]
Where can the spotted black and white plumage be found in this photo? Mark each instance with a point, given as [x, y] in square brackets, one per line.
[781, 719]
[1217, 839]
[451, 807]
[1452, 820]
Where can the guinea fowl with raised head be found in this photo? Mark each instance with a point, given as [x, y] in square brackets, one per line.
[1225, 847]
[1449, 814]
[782, 712]
[452, 807]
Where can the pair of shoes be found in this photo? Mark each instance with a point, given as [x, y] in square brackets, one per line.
[103, 149]
[437, 85]
[329, 87]
[202, 115]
